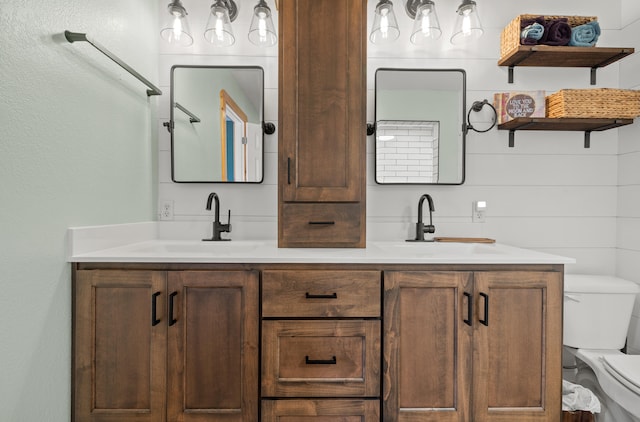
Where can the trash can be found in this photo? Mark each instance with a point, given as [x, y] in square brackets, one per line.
[578, 403]
[577, 416]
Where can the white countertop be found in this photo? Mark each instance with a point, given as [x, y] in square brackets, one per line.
[144, 243]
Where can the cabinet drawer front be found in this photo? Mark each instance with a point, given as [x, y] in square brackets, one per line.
[322, 224]
[321, 410]
[321, 294]
[320, 358]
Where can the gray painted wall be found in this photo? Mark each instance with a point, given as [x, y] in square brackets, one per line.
[77, 148]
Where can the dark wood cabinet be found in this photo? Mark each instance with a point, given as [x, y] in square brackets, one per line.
[319, 342]
[213, 346]
[321, 339]
[472, 346]
[322, 126]
[427, 346]
[517, 373]
[165, 345]
[119, 347]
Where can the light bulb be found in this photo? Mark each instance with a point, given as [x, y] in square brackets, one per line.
[262, 29]
[466, 24]
[384, 24]
[177, 28]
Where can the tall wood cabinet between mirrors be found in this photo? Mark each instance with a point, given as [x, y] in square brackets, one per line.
[322, 126]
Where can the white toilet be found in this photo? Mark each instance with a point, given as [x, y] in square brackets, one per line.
[597, 312]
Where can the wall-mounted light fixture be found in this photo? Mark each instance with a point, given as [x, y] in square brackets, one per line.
[468, 24]
[385, 26]
[218, 30]
[262, 33]
[426, 26]
[176, 28]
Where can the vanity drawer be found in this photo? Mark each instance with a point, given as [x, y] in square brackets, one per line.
[321, 358]
[345, 410]
[321, 224]
[301, 294]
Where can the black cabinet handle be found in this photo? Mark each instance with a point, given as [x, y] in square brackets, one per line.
[154, 309]
[322, 223]
[485, 321]
[312, 296]
[288, 170]
[331, 361]
[469, 308]
[172, 320]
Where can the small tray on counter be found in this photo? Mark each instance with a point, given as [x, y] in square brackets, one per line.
[464, 239]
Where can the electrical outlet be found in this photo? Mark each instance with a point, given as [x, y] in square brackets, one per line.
[478, 212]
[166, 209]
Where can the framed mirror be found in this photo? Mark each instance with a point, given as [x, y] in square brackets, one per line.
[217, 124]
[420, 126]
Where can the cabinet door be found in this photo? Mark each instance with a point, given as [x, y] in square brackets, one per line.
[119, 362]
[518, 345]
[213, 346]
[322, 97]
[427, 346]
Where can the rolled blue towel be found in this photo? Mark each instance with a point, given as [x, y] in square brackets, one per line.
[585, 35]
[531, 34]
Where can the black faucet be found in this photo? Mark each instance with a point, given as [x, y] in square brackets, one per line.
[421, 228]
[217, 226]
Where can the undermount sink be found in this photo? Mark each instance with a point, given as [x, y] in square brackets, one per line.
[430, 249]
[189, 247]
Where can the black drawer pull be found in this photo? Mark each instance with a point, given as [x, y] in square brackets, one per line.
[154, 311]
[172, 320]
[322, 223]
[312, 296]
[485, 321]
[469, 309]
[331, 361]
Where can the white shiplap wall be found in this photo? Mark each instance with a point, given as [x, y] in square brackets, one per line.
[548, 193]
[628, 227]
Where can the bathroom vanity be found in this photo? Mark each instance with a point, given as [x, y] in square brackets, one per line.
[246, 331]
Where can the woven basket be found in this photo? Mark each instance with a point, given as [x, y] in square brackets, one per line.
[606, 103]
[577, 416]
[510, 36]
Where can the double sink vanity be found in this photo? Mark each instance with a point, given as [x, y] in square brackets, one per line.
[186, 330]
[320, 323]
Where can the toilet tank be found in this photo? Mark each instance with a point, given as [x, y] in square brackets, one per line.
[597, 311]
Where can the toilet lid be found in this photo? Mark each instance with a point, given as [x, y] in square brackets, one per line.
[625, 368]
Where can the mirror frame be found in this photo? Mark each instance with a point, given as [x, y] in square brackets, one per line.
[463, 127]
[171, 125]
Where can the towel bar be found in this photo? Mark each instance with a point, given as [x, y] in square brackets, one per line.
[77, 36]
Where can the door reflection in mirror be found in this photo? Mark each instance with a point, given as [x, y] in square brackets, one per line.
[227, 144]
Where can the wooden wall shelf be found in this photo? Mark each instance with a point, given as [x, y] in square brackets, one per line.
[562, 124]
[552, 56]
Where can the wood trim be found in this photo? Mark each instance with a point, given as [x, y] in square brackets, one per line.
[226, 99]
[320, 266]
